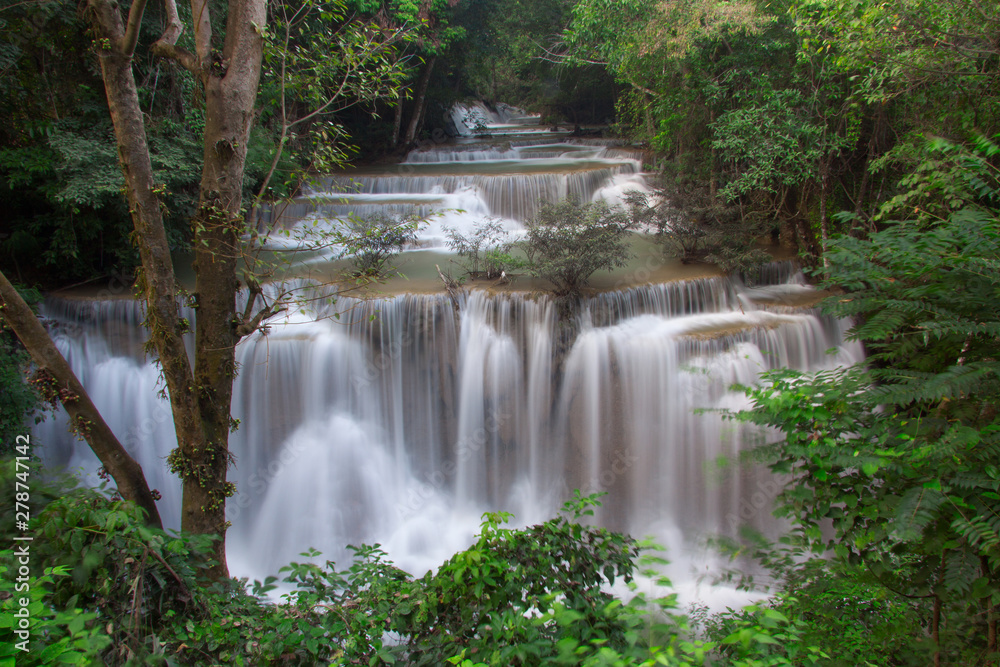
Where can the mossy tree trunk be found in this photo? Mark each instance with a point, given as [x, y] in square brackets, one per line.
[56, 382]
[200, 397]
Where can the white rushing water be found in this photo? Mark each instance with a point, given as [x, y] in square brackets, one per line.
[458, 186]
[403, 428]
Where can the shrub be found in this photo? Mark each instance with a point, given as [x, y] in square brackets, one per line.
[694, 225]
[486, 250]
[568, 241]
[109, 580]
[116, 592]
[372, 242]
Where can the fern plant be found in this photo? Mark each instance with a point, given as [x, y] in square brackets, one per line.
[902, 456]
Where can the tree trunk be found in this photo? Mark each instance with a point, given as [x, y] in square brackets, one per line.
[936, 613]
[824, 181]
[157, 279]
[936, 630]
[200, 401]
[58, 382]
[397, 122]
[859, 205]
[420, 121]
[229, 101]
[418, 102]
[991, 617]
[713, 179]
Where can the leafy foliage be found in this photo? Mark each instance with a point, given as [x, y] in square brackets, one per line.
[59, 176]
[902, 458]
[117, 592]
[50, 636]
[372, 242]
[487, 249]
[109, 579]
[568, 241]
[839, 608]
[695, 226]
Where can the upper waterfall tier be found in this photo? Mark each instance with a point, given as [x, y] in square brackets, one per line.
[457, 186]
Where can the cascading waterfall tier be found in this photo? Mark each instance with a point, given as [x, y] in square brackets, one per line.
[400, 420]
[456, 187]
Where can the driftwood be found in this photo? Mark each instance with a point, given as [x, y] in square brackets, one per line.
[455, 289]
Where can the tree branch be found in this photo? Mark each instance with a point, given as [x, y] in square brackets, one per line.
[185, 59]
[247, 328]
[62, 384]
[564, 58]
[250, 325]
[202, 29]
[166, 45]
[127, 45]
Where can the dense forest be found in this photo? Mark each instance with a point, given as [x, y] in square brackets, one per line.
[862, 136]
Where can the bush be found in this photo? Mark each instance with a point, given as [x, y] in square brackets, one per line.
[568, 241]
[51, 636]
[694, 225]
[486, 250]
[116, 592]
[109, 580]
[372, 242]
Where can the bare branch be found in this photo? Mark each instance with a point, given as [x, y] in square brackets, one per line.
[248, 327]
[166, 46]
[564, 59]
[127, 45]
[202, 29]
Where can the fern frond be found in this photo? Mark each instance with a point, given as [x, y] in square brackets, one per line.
[917, 509]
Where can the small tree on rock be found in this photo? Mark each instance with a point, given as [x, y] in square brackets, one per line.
[373, 241]
[568, 241]
[486, 250]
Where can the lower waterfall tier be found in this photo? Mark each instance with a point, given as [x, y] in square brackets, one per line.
[404, 428]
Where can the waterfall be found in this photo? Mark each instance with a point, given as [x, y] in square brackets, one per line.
[400, 420]
[458, 186]
[404, 428]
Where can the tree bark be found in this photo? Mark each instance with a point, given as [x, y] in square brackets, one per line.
[991, 616]
[229, 100]
[824, 182]
[397, 122]
[157, 279]
[200, 400]
[936, 630]
[859, 205]
[936, 613]
[58, 382]
[418, 102]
